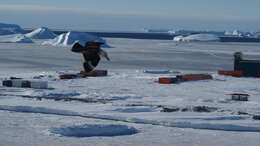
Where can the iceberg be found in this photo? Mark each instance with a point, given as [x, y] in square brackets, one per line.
[7, 29]
[197, 38]
[15, 38]
[41, 33]
[69, 38]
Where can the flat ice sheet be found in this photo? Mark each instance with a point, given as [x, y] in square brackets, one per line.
[137, 98]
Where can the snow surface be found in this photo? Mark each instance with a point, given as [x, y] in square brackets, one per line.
[197, 38]
[15, 38]
[132, 115]
[69, 38]
[41, 33]
[7, 29]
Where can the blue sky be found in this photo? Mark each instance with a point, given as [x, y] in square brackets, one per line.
[133, 14]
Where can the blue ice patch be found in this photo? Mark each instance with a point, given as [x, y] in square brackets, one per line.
[94, 130]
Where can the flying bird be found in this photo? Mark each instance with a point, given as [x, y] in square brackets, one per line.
[92, 54]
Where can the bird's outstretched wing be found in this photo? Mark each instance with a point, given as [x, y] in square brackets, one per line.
[94, 43]
[77, 48]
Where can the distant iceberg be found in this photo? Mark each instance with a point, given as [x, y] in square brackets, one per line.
[41, 33]
[7, 29]
[69, 38]
[197, 38]
[234, 33]
[15, 38]
[156, 30]
[181, 32]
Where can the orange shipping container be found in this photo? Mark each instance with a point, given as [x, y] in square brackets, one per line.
[231, 73]
[67, 76]
[195, 77]
[167, 80]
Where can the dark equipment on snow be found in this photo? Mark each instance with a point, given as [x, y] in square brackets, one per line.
[83, 74]
[91, 53]
[243, 68]
[239, 97]
[250, 68]
[25, 83]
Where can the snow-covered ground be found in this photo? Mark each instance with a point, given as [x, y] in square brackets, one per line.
[134, 100]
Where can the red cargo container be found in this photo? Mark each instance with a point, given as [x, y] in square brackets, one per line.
[195, 77]
[167, 80]
[231, 73]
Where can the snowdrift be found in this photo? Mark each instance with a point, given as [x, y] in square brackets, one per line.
[41, 33]
[7, 29]
[198, 38]
[69, 38]
[15, 38]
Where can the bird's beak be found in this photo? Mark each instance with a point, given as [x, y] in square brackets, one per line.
[103, 54]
